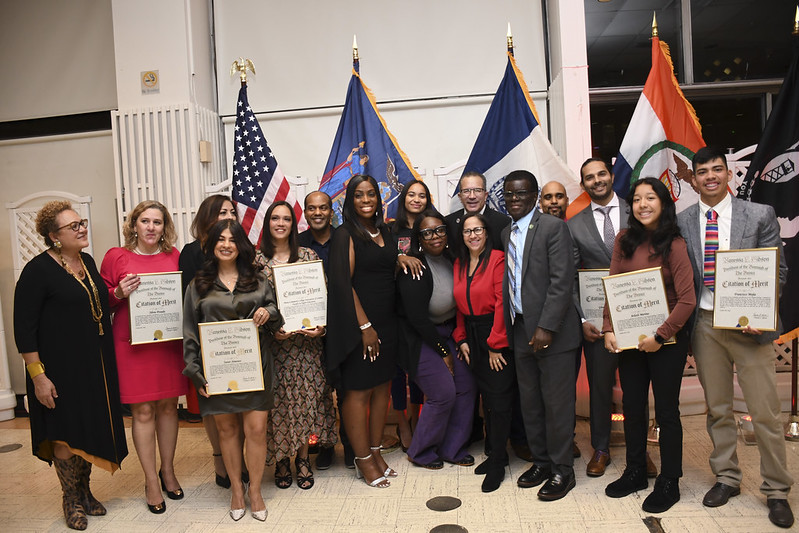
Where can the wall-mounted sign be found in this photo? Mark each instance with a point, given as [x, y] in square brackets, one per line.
[150, 82]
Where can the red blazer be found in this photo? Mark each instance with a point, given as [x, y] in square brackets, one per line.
[485, 297]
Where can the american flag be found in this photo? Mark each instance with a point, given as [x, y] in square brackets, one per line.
[257, 179]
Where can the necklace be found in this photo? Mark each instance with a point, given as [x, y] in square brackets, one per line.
[373, 235]
[230, 283]
[94, 304]
[139, 252]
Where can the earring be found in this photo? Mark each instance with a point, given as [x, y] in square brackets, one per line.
[161, 239]
[135, 234]
[57, 245]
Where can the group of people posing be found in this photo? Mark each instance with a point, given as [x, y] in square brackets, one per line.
[472, 305]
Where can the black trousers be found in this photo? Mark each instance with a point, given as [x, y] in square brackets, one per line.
[664, 370]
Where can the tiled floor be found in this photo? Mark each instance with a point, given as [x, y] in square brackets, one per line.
[30, 496]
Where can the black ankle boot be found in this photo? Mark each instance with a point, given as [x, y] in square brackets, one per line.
[665, 494]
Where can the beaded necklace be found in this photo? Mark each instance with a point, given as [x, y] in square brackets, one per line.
[94, 304]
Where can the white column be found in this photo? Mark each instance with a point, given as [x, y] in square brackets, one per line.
[8, 401]
[570, 128]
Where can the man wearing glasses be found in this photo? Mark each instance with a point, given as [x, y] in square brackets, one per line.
[544, 330]
[473, 194]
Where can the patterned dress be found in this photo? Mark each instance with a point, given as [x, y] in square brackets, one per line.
[303, 401]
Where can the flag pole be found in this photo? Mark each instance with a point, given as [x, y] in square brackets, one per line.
[792, 433]
[510, 40]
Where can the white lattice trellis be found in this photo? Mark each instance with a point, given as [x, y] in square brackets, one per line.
[26, 243]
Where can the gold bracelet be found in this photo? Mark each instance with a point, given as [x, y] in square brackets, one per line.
[34, 369]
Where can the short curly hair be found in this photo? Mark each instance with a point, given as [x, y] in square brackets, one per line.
[168, 238]
[46, 218]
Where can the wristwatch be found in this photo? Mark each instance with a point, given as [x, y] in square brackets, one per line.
[659, 339]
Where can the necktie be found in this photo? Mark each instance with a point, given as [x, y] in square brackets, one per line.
[711, 245]
[608, 235]
[512, 262]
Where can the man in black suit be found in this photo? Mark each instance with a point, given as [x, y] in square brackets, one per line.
[543, 328]
[554, 199]
[473, 194]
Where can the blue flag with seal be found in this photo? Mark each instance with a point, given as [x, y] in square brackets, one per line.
[363, 145]
[512, 139]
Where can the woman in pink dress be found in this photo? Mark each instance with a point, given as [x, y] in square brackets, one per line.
[150, 375]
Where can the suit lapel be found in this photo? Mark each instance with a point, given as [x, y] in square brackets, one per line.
[624, 214]
[739, 221]
[528, 241]
[590, 227]
[692, 238]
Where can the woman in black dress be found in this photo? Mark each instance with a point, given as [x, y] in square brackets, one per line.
[229, 288]
[213, 209]
[362, 332]
[62, 329]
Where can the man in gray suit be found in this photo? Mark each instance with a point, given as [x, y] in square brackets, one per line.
[543, 329]
[720, 352]
[593, 231]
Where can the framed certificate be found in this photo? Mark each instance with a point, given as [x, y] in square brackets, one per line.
[301, 294]
[592, 294]
[638, 305]
[231, 354]
[746, 292]
[156, 308]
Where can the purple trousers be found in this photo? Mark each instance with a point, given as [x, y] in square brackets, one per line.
[445, 423]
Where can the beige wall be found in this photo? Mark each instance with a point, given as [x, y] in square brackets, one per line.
[81, 165]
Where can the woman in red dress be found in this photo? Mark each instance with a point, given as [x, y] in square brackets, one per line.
[150, 375]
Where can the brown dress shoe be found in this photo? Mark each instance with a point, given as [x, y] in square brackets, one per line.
[596, 466]
[651, 469]
[575, 450]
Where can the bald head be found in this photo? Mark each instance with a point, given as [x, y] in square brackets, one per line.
[554, 200]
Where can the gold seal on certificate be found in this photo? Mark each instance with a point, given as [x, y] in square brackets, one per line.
[746, 292]
[231, 355]
[301, 294]
[592, 294]
[638, 305]
[156, 308]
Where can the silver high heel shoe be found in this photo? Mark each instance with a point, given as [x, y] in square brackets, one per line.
[260, 515]
[390, 472]
[380, 483]
[237, 514]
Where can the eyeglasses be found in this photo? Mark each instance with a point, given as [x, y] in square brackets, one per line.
[512, 195]
[75, 226]
[473, 190]
[430, 234]
[477, 230]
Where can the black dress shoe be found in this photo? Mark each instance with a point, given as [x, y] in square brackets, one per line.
[556, 487]
[534, 476]
[779, 512]
[349, 457]
[325, 458]
[719, 495]
[176, 494]
[467, 460]
[493, 479]
[438, 464]
[485, 466]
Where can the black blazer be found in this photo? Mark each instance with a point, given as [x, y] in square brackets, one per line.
[415, 324]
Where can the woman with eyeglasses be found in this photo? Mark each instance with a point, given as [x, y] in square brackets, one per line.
[427, 351]
[482, 341]
[62, 327]
[150, 377]
[362, 324]
[413, 200]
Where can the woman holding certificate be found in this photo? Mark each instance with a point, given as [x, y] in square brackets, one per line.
[302, 406]
[229, 288]
[482, 340]
[653, 240]
[427, 351]
[362, 324]
[62, 327]
[150, 378]
[213, 209]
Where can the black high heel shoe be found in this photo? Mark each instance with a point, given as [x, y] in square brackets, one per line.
[158, 508]
[399, 439]
[304, 482]
[171, 494]
[223, 482]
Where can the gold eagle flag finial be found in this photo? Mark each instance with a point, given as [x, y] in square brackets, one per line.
[242, 65]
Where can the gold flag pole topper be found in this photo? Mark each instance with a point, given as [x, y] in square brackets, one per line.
[796, 22]
[654, 25]
[242, 65]
[510, 40]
